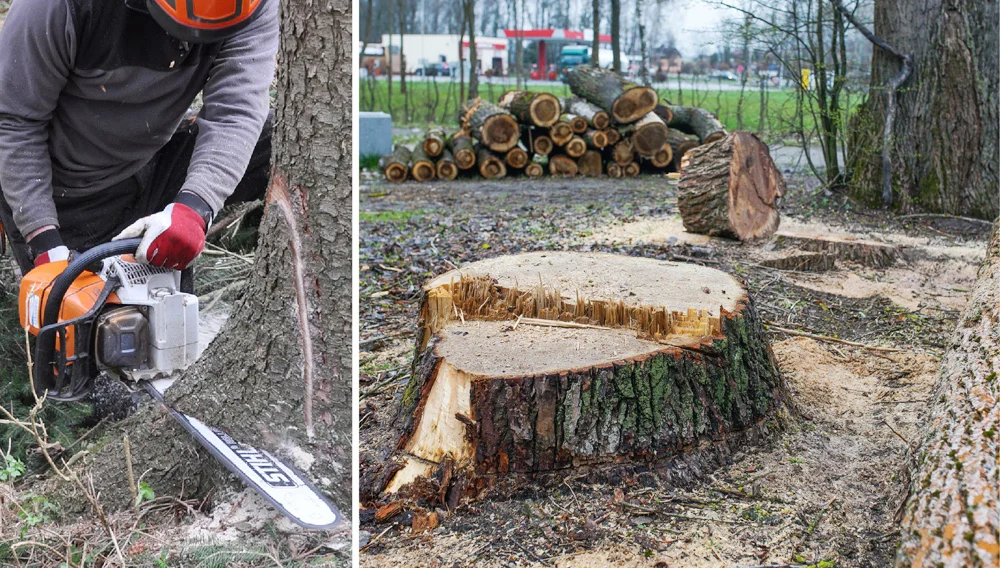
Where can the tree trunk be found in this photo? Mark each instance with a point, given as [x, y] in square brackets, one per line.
[490, 165]
[648, 369]
[730, 188]
[697, 121]
[490, 124]
[396, 166]
[648, 135]
[640, 22]
[945, 154]
[952, 516]
[278, 376]
[464, 150]
[421, 166]
[562, 165]
[616, 44]
[624, 100]
[538, 109]
[446, 168]
[594, 116]
[590, 163]
[470, 19]
[434, 142]
[595, 43]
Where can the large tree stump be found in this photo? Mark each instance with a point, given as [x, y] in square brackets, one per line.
[623, 99]
[648, 135]
[553, 360]
[845, 247]
[697, 121]
[463, 149]
[539, 109]
[952, 516]
[493, 126]
[396, 166]
[730, 188]
[596, 117]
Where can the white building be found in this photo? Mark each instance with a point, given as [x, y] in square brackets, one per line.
[437, 48]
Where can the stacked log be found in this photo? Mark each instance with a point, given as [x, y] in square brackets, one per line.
[610, 126]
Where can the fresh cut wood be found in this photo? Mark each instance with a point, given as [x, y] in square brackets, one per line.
[396, 166]
[624, 100]
[493, 126]
[529, 107]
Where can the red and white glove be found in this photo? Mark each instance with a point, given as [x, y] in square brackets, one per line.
[48, 247]
[172, 238]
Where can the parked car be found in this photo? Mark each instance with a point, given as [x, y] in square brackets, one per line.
[724, 75]
[434, 70]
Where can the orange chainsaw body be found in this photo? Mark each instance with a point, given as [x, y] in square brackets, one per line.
[79, 299]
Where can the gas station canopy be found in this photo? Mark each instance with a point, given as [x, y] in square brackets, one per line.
[543, 36]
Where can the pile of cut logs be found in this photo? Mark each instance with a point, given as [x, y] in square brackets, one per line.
[611, 126]
[729, 186]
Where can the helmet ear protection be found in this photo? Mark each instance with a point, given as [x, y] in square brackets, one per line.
[202, 21]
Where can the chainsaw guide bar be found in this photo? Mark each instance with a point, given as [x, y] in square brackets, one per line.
[281, 485]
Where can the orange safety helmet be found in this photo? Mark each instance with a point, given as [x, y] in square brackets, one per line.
[203, 21]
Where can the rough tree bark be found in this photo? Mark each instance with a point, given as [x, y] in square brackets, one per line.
[594, 115]
[952, 517]
[730, 188]
[279, 374]
[652, 368]
[945, 154]
[697, 121]
[616, 43]
[538, 109]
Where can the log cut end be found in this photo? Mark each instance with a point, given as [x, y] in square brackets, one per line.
[545, 109]
[634, 104]
[545, 361]
[730, 188]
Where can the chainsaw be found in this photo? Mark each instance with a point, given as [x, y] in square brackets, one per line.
[104, 312]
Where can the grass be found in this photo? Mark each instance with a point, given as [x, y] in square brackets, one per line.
[391, 216]
[436, 103]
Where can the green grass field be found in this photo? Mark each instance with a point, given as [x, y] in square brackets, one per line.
[427, 103]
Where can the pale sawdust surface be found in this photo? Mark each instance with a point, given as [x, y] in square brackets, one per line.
[837, 468]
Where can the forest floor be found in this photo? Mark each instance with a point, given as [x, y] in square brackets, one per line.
[826, 491]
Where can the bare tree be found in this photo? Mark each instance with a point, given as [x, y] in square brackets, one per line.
[616, 44]
[470, 21]
[595, 45]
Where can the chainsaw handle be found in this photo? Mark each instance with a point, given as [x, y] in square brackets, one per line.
[75, 268]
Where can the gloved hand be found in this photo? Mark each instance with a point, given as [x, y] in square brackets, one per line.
[172, 238]
[47, 246]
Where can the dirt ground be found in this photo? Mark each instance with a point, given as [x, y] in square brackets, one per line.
[825, 491]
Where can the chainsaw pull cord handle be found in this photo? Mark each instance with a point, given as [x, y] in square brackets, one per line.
[44, 349]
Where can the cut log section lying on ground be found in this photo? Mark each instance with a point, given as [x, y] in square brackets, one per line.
[493, 126]
[539, 109]
[625, 101]
[396, 166]
[446, 168]
[463, 149]
[952, 516]
[594, 116]
[730, 188]
[546, 361]
[697, 121]
[490, 165]
[421, 166]
[648, 135]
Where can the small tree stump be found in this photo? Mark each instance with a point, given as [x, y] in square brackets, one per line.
[730, 188]
[546, 361]
[845, 247]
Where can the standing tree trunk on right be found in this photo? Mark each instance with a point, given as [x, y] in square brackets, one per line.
[470, 19]
[945, 155]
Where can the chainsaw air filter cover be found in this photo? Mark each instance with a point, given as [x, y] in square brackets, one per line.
[123, 339]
